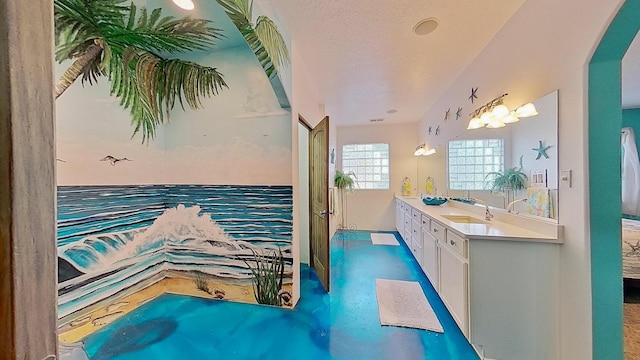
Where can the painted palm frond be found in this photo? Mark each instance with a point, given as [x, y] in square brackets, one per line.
[264, 39]
[149, 86]
[126, 44]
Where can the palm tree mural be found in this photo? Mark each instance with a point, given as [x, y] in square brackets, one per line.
[129, 46]
[264, 39]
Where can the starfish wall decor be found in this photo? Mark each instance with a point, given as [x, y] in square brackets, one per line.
[542, 150]
[438, 131]
[473, 94]
[430, 130]
[447, 114]
[458, 113]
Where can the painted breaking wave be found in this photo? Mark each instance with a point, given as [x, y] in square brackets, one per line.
[182, 238]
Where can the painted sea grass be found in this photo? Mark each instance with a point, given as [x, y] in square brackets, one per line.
[200, 279]
[268, 273]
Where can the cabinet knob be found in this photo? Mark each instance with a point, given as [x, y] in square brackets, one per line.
[453, 243]
[435, 230]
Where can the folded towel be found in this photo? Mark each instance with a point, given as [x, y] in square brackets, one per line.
[539, 202]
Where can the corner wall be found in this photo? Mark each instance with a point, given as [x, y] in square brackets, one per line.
[375, 209]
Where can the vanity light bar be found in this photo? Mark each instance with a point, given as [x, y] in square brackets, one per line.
[495, 114]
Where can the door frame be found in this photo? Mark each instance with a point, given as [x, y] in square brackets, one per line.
[605, 204]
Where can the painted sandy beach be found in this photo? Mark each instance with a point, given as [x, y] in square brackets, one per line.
[76, 328]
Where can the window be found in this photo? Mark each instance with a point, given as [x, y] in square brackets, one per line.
[471, 160]
[370, 164]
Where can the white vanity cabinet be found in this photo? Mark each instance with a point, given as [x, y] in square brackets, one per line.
[416, 236]
[406, 232]
[502, 290]
[399, 216]
[430, 255]
[454, 287]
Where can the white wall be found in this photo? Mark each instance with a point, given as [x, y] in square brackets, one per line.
[303, 186]
[305, 102]
[545, 46]
[375, 209]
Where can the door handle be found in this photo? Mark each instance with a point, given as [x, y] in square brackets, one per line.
[323, 213]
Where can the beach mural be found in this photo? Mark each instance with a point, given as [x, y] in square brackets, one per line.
[194, 211]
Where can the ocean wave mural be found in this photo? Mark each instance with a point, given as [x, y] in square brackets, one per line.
[111, 238]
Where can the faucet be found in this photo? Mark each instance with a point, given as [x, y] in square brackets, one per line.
[487, 214]
[510, 208]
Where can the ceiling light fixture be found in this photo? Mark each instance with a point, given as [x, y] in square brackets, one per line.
[425, 26]
[184, 4]
[495, 114]
[422, 150]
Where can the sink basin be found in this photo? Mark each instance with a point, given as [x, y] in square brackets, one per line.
[463, 219]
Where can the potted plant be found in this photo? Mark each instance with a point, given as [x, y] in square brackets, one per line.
[344, 182]
[509, 179]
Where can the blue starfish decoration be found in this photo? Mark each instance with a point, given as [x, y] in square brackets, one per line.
[542, 150]
[473, 94]
[429, 131]
[458, 113]
[446, 114]
[438, 131]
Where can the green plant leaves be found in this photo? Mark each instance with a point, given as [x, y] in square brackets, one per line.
[132, 40]
[344, 180]
[264, 39]
[268, 274]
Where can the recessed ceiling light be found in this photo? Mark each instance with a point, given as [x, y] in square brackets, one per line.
[392, 111]
[184, 4]
[424, 27]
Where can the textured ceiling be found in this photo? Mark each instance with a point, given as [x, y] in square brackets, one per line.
[366, 59]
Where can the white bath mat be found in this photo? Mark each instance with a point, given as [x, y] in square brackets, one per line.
[383, 239]
[402, 303]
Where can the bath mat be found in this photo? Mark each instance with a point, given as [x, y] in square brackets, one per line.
[402, 303]
[383, 239]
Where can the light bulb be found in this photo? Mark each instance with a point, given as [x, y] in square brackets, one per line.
[475, 123]
[495, 123]
[526, 110]
[184, 4]
[486, 117]
[500, 111]
[430, 152]
[510, 118]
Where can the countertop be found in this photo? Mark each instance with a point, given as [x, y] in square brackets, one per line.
[489, 230]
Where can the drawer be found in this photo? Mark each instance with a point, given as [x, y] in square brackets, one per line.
[407, 222]
[416, 232]
[426, 222]
[457, 244]
[416, 215]
[438, 231]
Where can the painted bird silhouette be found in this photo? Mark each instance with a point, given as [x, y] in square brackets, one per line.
[113, 160]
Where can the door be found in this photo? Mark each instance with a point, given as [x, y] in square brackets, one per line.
[318, 190]
[453, 286]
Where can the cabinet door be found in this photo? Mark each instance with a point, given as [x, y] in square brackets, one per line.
[416, 241]
[399, 213]
[430, 257]
[453, 287]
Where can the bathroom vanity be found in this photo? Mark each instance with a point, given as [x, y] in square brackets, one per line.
[498, 278]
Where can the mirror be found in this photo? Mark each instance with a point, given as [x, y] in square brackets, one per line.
[521, 140]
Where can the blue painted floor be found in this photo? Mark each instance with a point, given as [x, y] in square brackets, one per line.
[340, 325]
